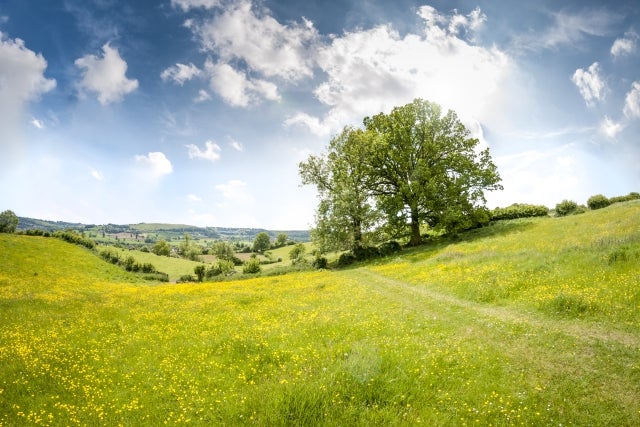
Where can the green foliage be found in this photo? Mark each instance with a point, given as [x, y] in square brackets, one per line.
[627, 198]
[389, 248]
[223, 250]
[8, 222]
[518, 210]
[281, 240]
[598, 201]
[296, 255]
[252, 266]
[320, 262]
[161, 248]
[129, 263]
[75, 238]
[190, 250]
[566, 207]
[262, 242]
[222, 267]
[200, 271]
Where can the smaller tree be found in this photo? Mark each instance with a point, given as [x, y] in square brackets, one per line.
[251, 266]
[566, 207]
[296, 255]
[224, 250]
[200, 271]
[8, 222]
[161, 248]
[262, 242]
[281, 240]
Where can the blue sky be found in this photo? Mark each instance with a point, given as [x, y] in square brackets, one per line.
[199, 111]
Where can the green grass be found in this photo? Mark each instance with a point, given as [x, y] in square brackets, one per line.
[174, 267]
[528, 322]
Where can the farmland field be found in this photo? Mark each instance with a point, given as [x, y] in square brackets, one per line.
[526, 322]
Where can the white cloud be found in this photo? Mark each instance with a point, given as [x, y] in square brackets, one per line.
[236, 191]
[625, 45]
[193, 4]
[155, 163]
[369, 71]
[194, 198]
[609, 128]
[236, 145]
[256, 38]
[211, 152]
[97, 175]
[632, 102]
[203, 96]
[180, 73]
[235, 88]
[22, 81]
[37, 123]
[591, 85]
[106, 76]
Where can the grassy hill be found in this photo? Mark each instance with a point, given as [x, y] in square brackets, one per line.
[526, 322]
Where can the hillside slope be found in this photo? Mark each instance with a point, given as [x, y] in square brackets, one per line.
[529, 322]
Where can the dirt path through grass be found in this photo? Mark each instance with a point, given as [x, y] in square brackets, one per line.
[409, 295]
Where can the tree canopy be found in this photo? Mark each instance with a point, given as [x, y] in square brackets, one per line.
[412, 167]
[262, 242]
[8, 222]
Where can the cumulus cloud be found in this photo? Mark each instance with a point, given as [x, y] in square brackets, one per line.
[22, 81]
[211, 151]
[590, 83]
[106, 75]
[194, 4]
[632, 102]
[194, 198]
[155, 164]
[253, 36]
[368, 71]
[236, 88]
[610, 128]
[203, 96]
[180, 73]
[625, 45]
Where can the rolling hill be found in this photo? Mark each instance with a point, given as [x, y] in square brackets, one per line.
[525, 322]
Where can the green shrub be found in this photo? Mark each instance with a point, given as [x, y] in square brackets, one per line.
[566, 207]
[200, 271]
[346, 259]
[388, 248]
[186, 278]
[320, 262]
[627, 198]
[75, 238]
[598, 202]
[8, 222]
[518, 210]
[252, 266]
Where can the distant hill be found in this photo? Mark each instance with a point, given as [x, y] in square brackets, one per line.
[166, 231]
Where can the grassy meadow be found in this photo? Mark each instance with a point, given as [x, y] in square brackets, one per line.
[526, 322]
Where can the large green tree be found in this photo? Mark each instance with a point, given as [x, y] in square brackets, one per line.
[426, 169]
[8, 222]
[262, 242]
[346, 212]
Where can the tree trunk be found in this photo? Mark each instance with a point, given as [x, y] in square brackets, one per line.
[416, 239]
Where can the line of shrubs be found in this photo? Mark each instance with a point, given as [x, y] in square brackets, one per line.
[362, 253]
[598, 201]
[518, 210]
[66, 235]
[130, 264]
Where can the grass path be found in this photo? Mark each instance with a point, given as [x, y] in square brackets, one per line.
[414, 299]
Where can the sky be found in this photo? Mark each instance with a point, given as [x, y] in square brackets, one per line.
[199, 111]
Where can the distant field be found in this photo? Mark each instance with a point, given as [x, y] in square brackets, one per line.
[527, 322]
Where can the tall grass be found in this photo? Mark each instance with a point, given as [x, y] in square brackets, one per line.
[491, 330]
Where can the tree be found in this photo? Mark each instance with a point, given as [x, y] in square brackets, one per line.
[8, 222]
[200, 271]
[342, 176]
[189, 250]
[224, 250]
[296, 255]
[161, 248]
[425, 168]
[281, 240]
[262, 242]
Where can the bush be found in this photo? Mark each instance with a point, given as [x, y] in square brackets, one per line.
[320, 262]
[388, 248]
[186, 278]
[365, 252]
[346, 259]
[75, 238]
[223, 267]
[252, 266]
[566, 207]
[598, 202]
[627, 198]
[200, 271]
[518, 210]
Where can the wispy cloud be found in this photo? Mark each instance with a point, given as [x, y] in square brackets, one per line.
[590, 83]
[626, 45]
[632, 102]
